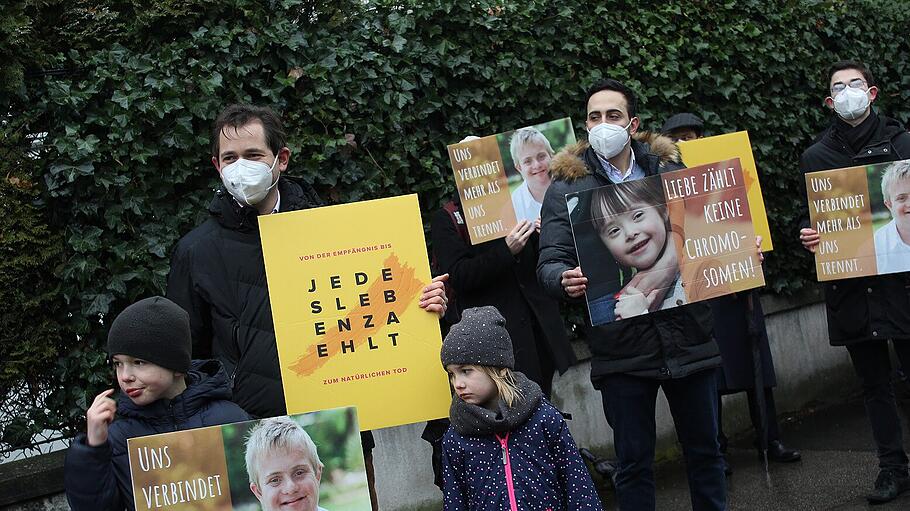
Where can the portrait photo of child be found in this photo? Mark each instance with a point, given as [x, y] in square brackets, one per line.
[626, 249]
[310, 462]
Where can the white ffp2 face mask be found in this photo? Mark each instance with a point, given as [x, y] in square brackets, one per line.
[851, 103]
[248, 181]
[608, 139]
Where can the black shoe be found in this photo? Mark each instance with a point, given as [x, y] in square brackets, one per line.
[888, 485]
[728, 470]
[778, 452]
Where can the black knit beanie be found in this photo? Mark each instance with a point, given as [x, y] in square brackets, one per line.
[153, 329]
[480, 338]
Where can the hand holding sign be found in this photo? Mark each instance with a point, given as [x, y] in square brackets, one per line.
[433, 298]
[518, 236]
[574, 283]
[502, 178]
[809, 238]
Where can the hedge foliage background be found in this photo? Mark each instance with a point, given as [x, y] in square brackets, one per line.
[107, 108]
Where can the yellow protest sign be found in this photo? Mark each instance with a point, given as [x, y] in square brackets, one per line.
[344, 283]
[729, 146]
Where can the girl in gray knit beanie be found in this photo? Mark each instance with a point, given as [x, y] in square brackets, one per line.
[507, 444]
[477, 353]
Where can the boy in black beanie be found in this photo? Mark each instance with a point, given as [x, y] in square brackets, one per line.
[162, 391]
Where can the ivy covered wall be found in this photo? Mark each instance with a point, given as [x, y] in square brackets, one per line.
[107, 107]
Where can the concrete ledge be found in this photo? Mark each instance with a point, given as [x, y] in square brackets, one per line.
[811, 294]
[32, 478]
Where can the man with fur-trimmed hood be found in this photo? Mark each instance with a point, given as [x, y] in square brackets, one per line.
[632, 358]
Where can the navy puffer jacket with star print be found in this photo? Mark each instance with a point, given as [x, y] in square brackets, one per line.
[535, 466]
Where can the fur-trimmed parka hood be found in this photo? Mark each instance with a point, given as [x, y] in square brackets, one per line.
[570, 165]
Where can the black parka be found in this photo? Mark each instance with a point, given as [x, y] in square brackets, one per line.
[863, 308]
[488, 274]
[98, 478]
[670, 343]
[218, 276]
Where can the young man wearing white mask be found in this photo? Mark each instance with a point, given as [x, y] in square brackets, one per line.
[632, 358]
[864, 313]
[217, 271]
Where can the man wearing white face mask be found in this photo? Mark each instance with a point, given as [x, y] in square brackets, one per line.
[633, 358]
[864, 313]
[217, 270]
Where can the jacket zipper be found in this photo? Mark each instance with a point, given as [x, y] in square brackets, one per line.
[170, 409]
[504, 442]
[236, 339]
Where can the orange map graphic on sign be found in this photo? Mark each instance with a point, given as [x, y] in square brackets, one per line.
[408, 288]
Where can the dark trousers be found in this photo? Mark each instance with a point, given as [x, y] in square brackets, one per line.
[770, 417]
[629, 404]
[872, 363]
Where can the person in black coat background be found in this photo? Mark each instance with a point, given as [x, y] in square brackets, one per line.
[731, 331]
[865, 312]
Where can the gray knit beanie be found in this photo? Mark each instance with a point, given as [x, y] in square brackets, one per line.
[480, 338]
[153, 329]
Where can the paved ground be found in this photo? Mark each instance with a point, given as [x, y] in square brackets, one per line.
[838, 467]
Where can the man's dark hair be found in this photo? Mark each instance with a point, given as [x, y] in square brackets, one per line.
[238, 115]
[849, 64]
[611, 84]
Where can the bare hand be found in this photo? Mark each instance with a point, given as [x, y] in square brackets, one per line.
[433, 298]
[633, 302]
[537, 225]
[761, 256]
[98, 417]
[574, 282]
[518, 236]
[809, 238]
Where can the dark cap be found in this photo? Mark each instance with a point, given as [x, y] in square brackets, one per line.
[153, 329]
[683, 120]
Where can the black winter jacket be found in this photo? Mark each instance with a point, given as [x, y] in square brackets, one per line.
[488, 274]
[218, 276]
[670, 343]
[98, 478]
[863, 308]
